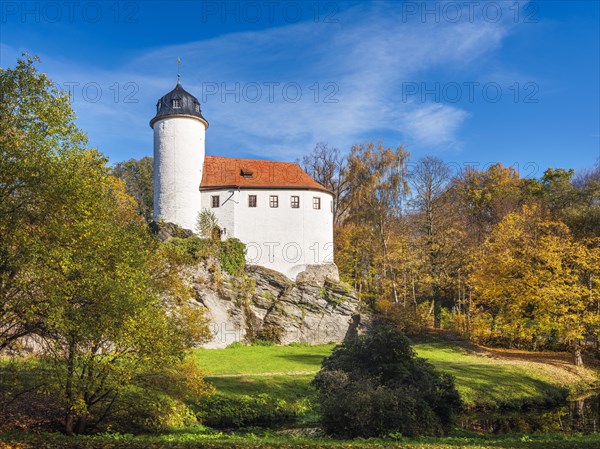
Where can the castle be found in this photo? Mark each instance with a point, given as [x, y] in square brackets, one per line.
[284, 217]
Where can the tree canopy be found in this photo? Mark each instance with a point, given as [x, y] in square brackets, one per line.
[79, 271]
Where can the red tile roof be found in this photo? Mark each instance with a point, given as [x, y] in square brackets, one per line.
[222, 172]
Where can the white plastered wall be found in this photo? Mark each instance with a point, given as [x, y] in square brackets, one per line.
[284, 239]
[178, 160]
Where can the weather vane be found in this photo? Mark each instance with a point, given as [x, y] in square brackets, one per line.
[178, 70]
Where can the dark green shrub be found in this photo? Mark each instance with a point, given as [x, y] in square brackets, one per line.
[224, 412]
[232, 255]
[374, 385]
[231, 252]
[192, 249]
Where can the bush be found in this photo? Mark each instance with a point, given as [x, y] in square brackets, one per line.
[373, 385]
[232, 256]
[158, 401]
[192, 249]
[409, 319]
[140, 412]
[224, 412]
[231, 252]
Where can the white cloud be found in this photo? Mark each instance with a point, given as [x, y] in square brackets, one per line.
[367, 56]
[434, 123]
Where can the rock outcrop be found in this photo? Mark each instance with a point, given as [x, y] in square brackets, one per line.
[264, 304]
[166, 231]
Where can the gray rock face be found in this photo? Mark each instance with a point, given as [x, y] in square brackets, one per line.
[318, 274]
[263, 303]
[166, 231]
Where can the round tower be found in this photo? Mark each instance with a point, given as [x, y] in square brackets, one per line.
[179, 136]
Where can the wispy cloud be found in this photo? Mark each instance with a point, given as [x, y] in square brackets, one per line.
[351, 75]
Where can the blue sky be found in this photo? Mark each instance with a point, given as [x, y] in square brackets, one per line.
[468, 82]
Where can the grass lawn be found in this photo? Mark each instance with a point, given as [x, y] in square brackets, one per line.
[262, 359]
[200, 438]
[484, 377]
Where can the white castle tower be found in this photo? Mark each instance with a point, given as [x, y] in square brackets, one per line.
[179, 138]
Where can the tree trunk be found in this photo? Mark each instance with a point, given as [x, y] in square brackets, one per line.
[437, 307]
[70, 418]
[577, 359]
[81, 424]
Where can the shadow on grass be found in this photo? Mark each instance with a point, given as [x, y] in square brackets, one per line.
[497, 386]
[313, 360]
[289, 388]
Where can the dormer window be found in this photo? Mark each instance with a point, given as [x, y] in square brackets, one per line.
[158, 107]
[197, 107]
[176, 103]
[245, 173]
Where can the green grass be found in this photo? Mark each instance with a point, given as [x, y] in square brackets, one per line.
[289, 388]
[489, 382]
[262, 359]
[200, 438]
[482, 381]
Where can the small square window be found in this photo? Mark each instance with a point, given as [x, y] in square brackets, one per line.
[295, 202]
[176, 103]
[316, 202]
[273, 201]
[216, 200]
[251, 200]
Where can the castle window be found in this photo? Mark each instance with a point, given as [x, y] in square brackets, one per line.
[295, 202]
[197, 107]
[316, 202]
[215, 201]
[177, 103]
[273, 201]
[251, 200]
[158, 107]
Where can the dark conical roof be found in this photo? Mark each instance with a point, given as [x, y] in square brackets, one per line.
[178, 102]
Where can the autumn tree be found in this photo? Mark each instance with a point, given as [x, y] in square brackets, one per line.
[557, 193]
[436, 226]
[377, 178]
[114, 317]
[138, 175]
[531, 279]
[328, 167]
[485, 197]
[78, 266]
[583, 217]
[37, 137]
